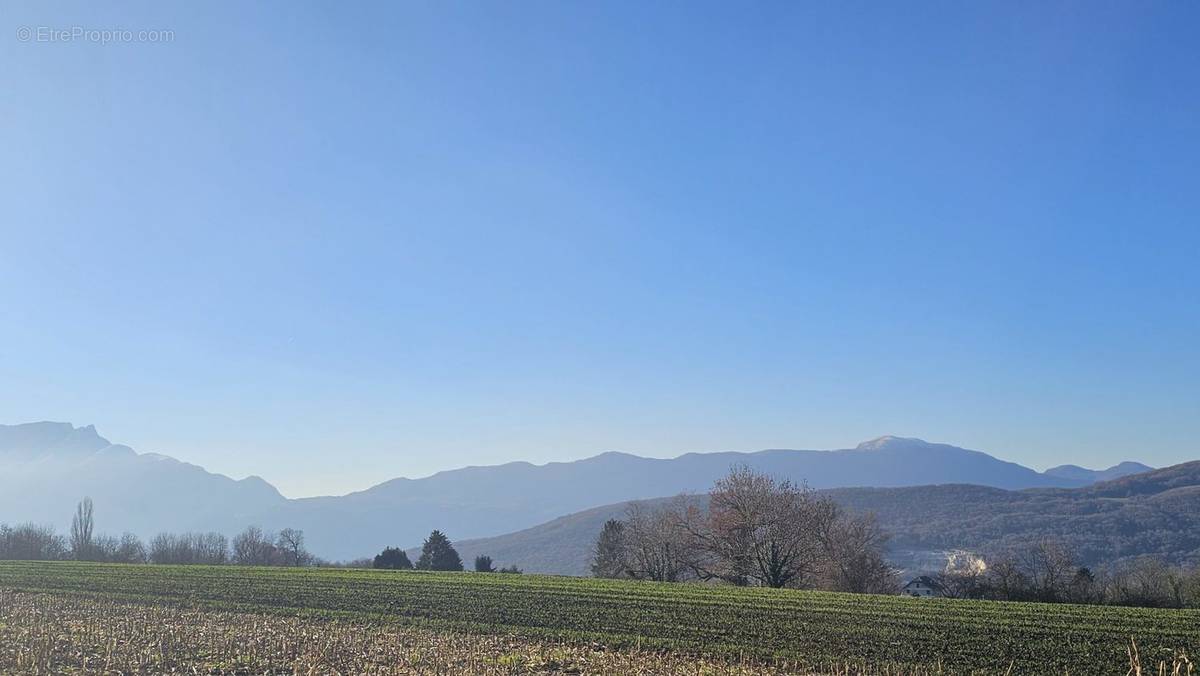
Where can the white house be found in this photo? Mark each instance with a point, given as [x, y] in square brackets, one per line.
[923, 587]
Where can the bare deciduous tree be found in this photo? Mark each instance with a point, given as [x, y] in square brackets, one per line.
[290, 544]
[854, 556]
[130, 549]
[762, 532]
[81, 531]
[211, 548]
[189, 548]
[31, 542]
[1006, 580]
[756, 531]
[252, 547]
[658, 547]
[1148, 582]
[1050, 567]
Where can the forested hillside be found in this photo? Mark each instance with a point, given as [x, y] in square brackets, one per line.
[1156, 512]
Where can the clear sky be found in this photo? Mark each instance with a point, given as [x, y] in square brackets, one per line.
[334, 243]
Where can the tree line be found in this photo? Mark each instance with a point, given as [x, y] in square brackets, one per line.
[1048, 570]
[437, 553]
[251, 547]
[755, 531]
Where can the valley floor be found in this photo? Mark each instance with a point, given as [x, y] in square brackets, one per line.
[95, 618]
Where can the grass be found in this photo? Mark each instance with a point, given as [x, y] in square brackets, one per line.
[787, 629]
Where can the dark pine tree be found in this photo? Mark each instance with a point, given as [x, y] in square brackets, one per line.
[392, 558]
[608, 559]
[438, 554]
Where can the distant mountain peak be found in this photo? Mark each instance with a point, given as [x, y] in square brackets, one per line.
[89, 433]
[610, 455]
[1135, 467]
[1075, 472]
[50, 439]
[46, 467]
[889, 441]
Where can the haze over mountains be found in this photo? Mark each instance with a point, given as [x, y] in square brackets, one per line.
[46, 467]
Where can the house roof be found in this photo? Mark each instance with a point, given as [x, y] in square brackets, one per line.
[922, 579]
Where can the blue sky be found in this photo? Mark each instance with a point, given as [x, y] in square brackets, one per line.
[330, 245]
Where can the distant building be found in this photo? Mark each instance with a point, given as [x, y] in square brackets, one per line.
[923, 587]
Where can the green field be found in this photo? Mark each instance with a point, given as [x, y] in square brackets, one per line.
[811, 628]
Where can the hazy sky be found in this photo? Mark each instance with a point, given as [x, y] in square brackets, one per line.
[332, 244]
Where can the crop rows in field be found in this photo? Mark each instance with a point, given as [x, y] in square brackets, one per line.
[48, 633]
[813, 628]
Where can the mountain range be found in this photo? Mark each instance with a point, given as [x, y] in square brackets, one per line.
[1077, 473]
[46, 467]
